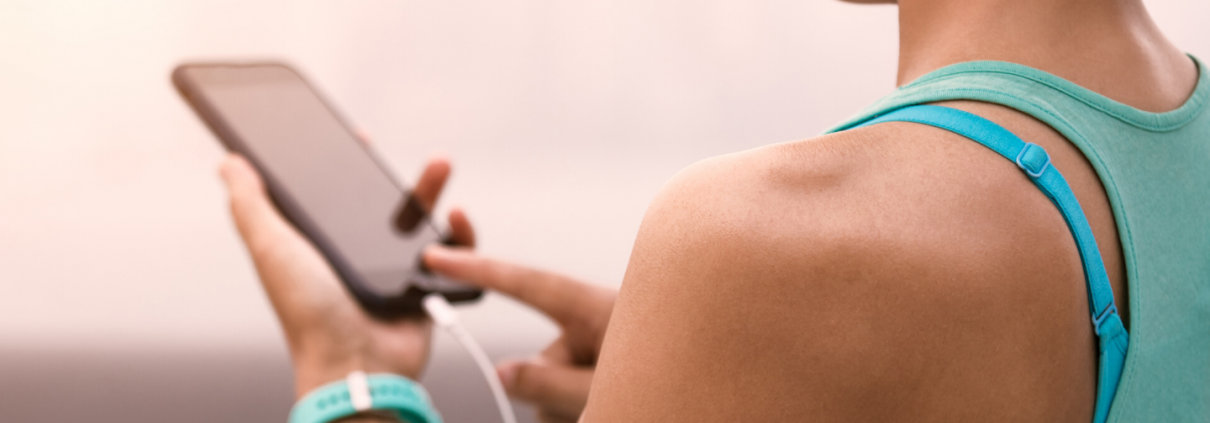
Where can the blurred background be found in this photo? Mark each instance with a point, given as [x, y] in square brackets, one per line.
[126, 295]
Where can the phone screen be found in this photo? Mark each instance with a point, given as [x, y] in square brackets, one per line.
[321, 168]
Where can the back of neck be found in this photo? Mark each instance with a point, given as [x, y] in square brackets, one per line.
[1108, 46]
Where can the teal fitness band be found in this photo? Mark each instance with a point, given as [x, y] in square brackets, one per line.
[394, 394]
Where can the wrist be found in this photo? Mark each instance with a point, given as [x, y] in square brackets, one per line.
[322, 356]
[307, 378]
[314, 370]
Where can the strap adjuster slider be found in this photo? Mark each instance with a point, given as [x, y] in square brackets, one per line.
[1109, 310]
[1033, 159]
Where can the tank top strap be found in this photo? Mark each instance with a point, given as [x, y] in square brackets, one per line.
[1035, 162]
[1153, 167]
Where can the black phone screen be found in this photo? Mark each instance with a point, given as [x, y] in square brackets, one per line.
[337, 188]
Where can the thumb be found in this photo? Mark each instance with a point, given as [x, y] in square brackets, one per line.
[255, 217]
[554, 388]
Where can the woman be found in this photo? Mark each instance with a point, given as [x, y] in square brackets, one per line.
[891, 271]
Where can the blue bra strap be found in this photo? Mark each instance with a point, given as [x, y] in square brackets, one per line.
[1035, 162]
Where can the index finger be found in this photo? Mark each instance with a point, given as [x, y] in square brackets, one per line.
[431, 181]
[558, 297]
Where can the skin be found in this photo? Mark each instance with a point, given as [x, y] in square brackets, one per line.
[893, 272]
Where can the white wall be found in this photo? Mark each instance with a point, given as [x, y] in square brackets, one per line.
[563, 119]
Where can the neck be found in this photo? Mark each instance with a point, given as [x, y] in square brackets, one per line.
[1098, 44]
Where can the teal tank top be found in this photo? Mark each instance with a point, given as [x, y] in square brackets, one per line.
[1156, 171]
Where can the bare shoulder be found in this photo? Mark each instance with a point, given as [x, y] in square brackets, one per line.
[854, 276]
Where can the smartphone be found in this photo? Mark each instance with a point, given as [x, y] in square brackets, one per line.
[324, 179]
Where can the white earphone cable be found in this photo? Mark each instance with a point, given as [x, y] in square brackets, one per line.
[446, 317]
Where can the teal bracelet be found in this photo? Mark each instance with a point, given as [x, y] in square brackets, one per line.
[398, 395]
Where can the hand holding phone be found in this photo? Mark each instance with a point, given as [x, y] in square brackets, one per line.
[326, 183]
[329, 335]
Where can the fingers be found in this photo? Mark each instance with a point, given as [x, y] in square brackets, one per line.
[556, 389]
[462, 233]
[558, 352]
[255, 217]
[428, 188]
[556, 296]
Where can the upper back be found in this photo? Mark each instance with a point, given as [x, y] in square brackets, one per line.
[1155, 169]
[899, 271]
